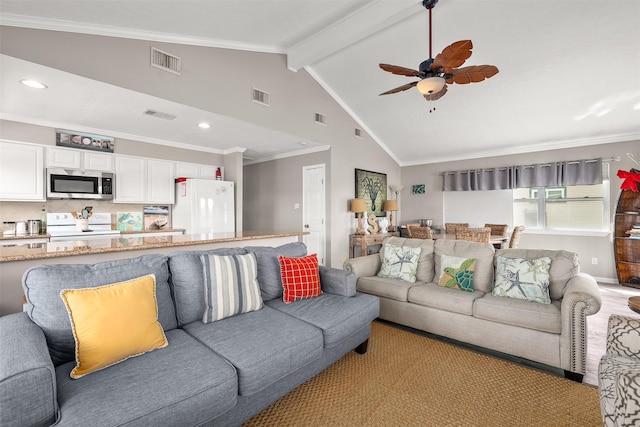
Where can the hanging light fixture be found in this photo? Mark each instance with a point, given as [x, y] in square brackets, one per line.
[430, 85]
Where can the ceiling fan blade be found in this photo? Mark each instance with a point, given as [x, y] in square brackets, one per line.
[473, 74]
[453, 55]
[437, 95]
[400, 88]
[402, 71]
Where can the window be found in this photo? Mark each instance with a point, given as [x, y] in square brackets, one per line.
[578, 207]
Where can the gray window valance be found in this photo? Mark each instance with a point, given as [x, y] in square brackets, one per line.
[555, 174]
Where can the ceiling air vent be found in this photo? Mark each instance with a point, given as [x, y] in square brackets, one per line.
[159, 114]
[165, 61]
[321, 119]
[260, 96]
[358, 132]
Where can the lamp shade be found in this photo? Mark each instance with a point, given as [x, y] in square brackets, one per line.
[430, 85]
[390, 205]
[358, 205]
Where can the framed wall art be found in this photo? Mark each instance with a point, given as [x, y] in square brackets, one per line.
[418, 189]
[372, 187]
[85, 141]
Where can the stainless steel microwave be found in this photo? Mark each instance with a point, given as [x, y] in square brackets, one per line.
[79, 184]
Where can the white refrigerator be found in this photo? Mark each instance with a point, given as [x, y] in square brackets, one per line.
[204, 206]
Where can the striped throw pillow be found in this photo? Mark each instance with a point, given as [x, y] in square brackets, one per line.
[300, 277]
[230, 286]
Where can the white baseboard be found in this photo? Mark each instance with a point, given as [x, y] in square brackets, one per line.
[606, 280]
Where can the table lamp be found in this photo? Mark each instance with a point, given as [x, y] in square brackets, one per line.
[391, 206]
[358, 206]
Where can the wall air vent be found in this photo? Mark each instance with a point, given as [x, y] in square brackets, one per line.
[159, 114]
[321, 119]
[260, 97]
[358, 132]
[165, 61]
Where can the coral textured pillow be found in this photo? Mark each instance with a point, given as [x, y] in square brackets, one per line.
[300, 277]
[112, 323]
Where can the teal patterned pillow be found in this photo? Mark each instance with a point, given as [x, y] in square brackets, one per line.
[400, 262]
[523, 279]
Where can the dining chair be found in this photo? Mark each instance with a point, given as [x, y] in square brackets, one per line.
[481, 234]
[417, 232]
[515, 236]
[451, 227]
[498, 229]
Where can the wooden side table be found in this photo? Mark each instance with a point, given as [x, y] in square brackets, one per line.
[634, 304]
[365, 240]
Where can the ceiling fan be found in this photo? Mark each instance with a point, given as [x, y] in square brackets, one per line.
[435, 73]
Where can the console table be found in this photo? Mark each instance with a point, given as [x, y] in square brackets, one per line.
[365, 240]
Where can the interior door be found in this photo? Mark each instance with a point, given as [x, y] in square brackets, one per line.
[313, 210]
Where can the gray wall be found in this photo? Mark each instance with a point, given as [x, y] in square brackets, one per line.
[432, 205]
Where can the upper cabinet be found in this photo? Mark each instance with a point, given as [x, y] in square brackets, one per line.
[194, 170]
[70, 158]
[140, 180]
[21, 172]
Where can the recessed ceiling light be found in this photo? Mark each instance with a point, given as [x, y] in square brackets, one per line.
[204, 125]
[32, 83]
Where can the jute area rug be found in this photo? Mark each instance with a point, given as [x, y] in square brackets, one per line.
[406, 379]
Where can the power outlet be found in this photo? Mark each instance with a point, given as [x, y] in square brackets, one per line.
[594, 261]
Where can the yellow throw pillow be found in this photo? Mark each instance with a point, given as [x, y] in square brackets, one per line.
[112, 323]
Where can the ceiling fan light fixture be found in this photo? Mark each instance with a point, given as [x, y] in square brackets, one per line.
[430, 85]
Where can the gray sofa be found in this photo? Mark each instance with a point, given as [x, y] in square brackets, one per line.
[553, 334]
[219, 373]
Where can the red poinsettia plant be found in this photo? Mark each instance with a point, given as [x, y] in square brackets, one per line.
[631, 180]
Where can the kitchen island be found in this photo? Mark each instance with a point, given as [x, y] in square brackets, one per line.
[16, 259]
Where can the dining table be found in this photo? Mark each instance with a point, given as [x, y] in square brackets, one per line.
[496, 240]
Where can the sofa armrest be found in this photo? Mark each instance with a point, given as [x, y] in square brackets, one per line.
[27, 376]
[581, 299]
[339, 282]
[623, 336]
[364, 266]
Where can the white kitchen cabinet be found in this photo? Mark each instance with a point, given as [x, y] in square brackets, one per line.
[140, 180]
[195, 170]
[60, 157]
[160, 182]
[21, 172]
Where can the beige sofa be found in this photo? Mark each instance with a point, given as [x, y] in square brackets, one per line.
[553, 334]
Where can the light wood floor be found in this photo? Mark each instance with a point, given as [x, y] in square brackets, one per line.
[614, 301]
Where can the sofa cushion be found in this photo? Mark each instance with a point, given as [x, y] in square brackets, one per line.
[42, 285]
[425, 271]
[456, 272]
[482, 252]
[388, 288]
[182, 384]
[269, 276]
[523, 313]
[564, 266]
[400, 262]
[262, 345]
[523, 279]
[300, 278]
[187, 282]
[112, 323]
[448, 299]
[338, 317]
[230, 286]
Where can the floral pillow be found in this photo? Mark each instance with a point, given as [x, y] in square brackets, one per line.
[457, 272]
[400, 262]
[526, 279]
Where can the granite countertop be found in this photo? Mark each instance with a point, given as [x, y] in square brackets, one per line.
[23, 236]
[164, 230]
[23, 252]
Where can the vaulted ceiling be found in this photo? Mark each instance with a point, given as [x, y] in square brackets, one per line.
[569, 69]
